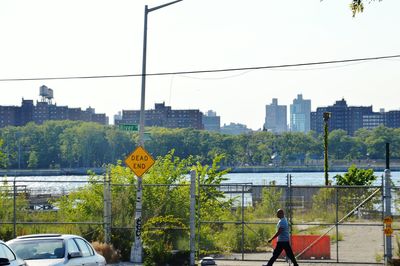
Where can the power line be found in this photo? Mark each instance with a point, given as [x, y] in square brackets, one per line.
[207, 71]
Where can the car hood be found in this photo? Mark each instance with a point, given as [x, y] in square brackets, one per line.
[52, 262]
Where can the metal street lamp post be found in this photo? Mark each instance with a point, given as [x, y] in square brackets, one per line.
[143, 92]
[327, 115]
[137, 248]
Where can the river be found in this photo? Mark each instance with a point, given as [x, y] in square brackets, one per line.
[307, 178]
[63, 184]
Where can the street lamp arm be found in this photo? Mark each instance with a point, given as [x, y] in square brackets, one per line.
[161, 6]
[137, 248]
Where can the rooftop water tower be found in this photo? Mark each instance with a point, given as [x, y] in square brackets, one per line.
[46, 93]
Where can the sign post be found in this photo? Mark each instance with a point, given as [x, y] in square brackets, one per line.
[388, 209]
[139, 161]
[388, 220]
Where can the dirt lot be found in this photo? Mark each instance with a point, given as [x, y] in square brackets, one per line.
[358, 244]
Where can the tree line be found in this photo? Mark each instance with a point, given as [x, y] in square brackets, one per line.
[64, 144]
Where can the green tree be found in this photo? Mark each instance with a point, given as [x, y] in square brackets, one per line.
[356, 177]
[350, 197]
[82, 144]
[119, 143]
[50, 154]
[33, 160]
[158, 237]
[270, 201]
[357, 6]
[3, 157]
[376, 141]
[343, 146]
[165, 194]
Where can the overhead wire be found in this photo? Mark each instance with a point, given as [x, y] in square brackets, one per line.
[206, 71]
[276, 69]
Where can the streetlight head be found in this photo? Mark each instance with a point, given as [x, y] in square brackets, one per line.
[327, 115]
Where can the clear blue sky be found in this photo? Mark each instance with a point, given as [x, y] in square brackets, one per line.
[102, 37]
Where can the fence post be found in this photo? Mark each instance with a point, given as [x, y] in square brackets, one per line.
[242, 222]
[337, 224]
[388, 207]
[383, 213]
[192, 216]
[388, 213]
[289, 207]
[198, 215]
[15, 208]
[107, 207]
[289, 201]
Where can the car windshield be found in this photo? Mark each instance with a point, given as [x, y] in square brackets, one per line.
[39, 249]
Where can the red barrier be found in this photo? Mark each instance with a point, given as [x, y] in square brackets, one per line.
[320, 250]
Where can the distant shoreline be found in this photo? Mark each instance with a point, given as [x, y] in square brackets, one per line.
[100, 171]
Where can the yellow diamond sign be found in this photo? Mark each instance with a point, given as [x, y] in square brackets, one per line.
[388, 231]
[139, 161]
[388, 220]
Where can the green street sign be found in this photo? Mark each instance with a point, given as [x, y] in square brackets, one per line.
[128, 127]
[147, 136]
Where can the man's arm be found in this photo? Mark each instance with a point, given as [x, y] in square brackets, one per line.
[276, 235]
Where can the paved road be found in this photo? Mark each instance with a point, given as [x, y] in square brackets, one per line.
[252, 263]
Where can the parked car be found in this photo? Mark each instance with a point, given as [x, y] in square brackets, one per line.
[207, 261]
[8, 257]
[55, 250]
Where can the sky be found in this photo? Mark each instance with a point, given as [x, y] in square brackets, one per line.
[59, 38]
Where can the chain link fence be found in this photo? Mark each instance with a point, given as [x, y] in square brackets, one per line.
[335, 224]
[233, 221]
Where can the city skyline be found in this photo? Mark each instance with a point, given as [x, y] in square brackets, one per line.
[75, 38]
[210, 113]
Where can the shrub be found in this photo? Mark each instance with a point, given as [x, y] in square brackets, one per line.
[159, 235]
[107, 251]
[157, 254]
[356, 177]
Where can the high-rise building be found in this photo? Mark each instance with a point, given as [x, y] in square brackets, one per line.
[275, 117]
[392, 119]
[45, 110]
[164, 116]
[211, 121]
[118, 117]
[300, 112]
[27, 108]
[347, 118]
[371, 121]
[9, 116]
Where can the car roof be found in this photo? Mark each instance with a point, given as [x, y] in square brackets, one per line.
[38, 236]
[47, 236]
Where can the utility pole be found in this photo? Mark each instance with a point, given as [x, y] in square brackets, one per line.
[327, 115]
[137, 247]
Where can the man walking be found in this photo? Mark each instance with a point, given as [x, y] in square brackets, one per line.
[283, 240]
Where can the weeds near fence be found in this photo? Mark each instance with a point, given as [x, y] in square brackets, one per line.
[107, 251]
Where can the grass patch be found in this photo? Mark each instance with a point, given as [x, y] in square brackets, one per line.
[339, 237]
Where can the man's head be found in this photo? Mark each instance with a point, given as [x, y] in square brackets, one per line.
[280, 213]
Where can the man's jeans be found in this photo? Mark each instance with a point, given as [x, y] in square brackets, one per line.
[277, 251]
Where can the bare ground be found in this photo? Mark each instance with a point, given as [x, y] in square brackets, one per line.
[359, 244]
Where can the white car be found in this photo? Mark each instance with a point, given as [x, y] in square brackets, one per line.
[8, 257]
[207, 261]
[55, 250]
